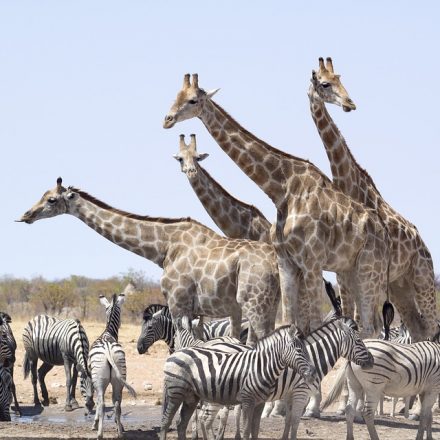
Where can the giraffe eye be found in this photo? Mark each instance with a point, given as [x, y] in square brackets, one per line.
[52, 200]
[326, 85]
[192, 101]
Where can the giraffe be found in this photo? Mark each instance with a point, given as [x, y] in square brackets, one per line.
[411, 269]
[317, 228]
[203, 273]
[235, 218]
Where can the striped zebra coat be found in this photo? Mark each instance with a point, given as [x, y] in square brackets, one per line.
[248, 377]
[57, 342]
[157, 324]
[107, 365]
[8, 345]
[5, 394]
[399, 370]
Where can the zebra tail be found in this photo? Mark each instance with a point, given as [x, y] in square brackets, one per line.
[336, 391]
[26, 365]
[112, 362]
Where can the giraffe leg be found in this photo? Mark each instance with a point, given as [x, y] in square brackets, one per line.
[425, 292]
[309, 299]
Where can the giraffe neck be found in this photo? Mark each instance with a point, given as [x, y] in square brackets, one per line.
[347, 174]
[235, 218]
[148, 237]
[268, 167]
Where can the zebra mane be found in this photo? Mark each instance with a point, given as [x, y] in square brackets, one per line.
[154, 308]
[81, 339]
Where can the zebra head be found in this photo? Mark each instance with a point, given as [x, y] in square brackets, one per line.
[353, 348]
[86, 387]
[155, 326]
[296, 355]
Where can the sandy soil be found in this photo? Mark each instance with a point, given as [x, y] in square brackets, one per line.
[141, 417]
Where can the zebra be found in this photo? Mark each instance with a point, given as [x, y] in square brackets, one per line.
[245, 377]
[107, 364]
[157, 324]
[5, 394]
[8, 345]
[57, 342]
[337, 337]
[399, 370]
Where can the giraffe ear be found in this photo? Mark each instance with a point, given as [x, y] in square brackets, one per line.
[177, 157]
[211, 93]
[202, 156]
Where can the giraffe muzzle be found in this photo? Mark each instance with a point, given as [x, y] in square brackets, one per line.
[169, 121]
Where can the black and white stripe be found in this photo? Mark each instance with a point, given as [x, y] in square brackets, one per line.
[108, 365]
[5, 394]
[247, 377]
[399, 370]
[8, 345]
[157, 325]
[57, 342]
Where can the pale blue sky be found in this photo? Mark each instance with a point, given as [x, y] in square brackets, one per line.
[84, 87]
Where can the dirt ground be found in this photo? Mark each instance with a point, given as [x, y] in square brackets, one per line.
[141, 417]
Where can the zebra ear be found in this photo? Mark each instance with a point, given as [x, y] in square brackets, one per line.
[157, 314]
[104, 301]
[186, 323]
[292, 330]
[121, 299]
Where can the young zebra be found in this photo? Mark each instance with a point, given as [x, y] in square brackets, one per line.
[5, 394]
[248, 377]
[157, 325]
[399, 370]
[8, 345]
[58, 342]
[107, 364]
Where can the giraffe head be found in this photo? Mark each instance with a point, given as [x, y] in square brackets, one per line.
[188, 156]
[54, 202]
[329, 88]
[189, 101]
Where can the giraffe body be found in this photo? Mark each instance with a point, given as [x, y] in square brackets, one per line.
[318, 227]
[411, 270]
[203, 273]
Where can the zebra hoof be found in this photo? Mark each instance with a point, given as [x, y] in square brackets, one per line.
[415, 417]
[340, 412]
[68, 408]
[312, 414]
[74, 404]
[45, 402]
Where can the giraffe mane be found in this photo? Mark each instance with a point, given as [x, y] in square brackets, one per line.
[253, 208]
[363, 170]
[274, 150]
[104, 205]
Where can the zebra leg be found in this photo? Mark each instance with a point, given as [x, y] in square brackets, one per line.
[288, 402]
[34, 379]
[256, 419]
[194, 425]
[426, 402]
[368, 414]
[73, 402]
[186, 412]
[205, 420]
[99, 415]
[170, 406]
[248, 409]
[237, 414]
[299, 402]
[42, 371]
[67, 369]
[223, 415]
[17, 409]
[268, 407]
[117, 399]
[343, 400]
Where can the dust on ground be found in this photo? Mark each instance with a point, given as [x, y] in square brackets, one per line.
[141, 417]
